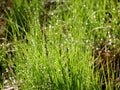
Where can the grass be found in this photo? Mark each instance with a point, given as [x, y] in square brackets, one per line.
[56, 51]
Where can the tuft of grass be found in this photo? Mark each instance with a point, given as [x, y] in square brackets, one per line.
[62, 46]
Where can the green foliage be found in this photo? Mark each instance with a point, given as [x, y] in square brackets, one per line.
[53, 48]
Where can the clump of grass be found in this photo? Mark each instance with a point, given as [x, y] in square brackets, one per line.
[53, 50]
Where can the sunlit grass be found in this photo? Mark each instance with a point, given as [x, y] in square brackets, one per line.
[55, 52]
